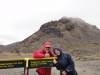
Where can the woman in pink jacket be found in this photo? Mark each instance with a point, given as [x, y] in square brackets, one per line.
[45, 53]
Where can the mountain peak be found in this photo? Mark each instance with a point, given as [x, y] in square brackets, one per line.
[72, 34]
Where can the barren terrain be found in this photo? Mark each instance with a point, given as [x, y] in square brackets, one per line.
[91, 67]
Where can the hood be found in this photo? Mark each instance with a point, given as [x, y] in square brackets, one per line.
[58, 48]
[47, 44]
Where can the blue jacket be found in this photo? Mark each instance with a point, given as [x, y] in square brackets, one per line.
[65, 62]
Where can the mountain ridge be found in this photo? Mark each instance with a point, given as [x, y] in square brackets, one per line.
[74, 35]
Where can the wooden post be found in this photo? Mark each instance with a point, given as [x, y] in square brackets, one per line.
[27, 71]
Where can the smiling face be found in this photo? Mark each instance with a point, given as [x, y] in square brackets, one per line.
[57, 52]
[48, 49]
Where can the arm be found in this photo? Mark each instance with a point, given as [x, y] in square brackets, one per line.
[57, 64]
[71, 64]
[38, 54]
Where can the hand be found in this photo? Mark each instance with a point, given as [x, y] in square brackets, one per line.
[64, 72]
[54, 61]
[47, 55]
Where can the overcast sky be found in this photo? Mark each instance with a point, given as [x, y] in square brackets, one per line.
[21, 18]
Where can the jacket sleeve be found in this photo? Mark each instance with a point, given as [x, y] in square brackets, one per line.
[71, 65]
[38, 54]
[58, 66]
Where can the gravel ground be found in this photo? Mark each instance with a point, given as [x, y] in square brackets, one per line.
[83, 68]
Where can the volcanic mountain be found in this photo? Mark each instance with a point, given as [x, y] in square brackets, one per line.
[73, 35]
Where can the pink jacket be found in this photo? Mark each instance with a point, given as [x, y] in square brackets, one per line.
[41, 54]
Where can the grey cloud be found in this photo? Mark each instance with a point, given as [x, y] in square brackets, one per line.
[7, 37]
[26, 17]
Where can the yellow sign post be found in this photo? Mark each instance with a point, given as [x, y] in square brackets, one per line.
[27, 63]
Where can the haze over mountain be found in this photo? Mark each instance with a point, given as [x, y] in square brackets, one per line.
[80, 39]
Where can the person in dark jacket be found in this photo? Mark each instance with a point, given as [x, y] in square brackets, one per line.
[64, 62]
[44, 53]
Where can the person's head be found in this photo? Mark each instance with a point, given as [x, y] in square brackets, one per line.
[47, 46]
[57, 50]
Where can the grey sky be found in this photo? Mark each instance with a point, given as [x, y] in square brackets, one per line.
[21, 18]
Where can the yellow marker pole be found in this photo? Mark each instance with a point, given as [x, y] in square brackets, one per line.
[27, 70]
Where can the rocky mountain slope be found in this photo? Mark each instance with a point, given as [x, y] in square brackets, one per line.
[80, 39]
